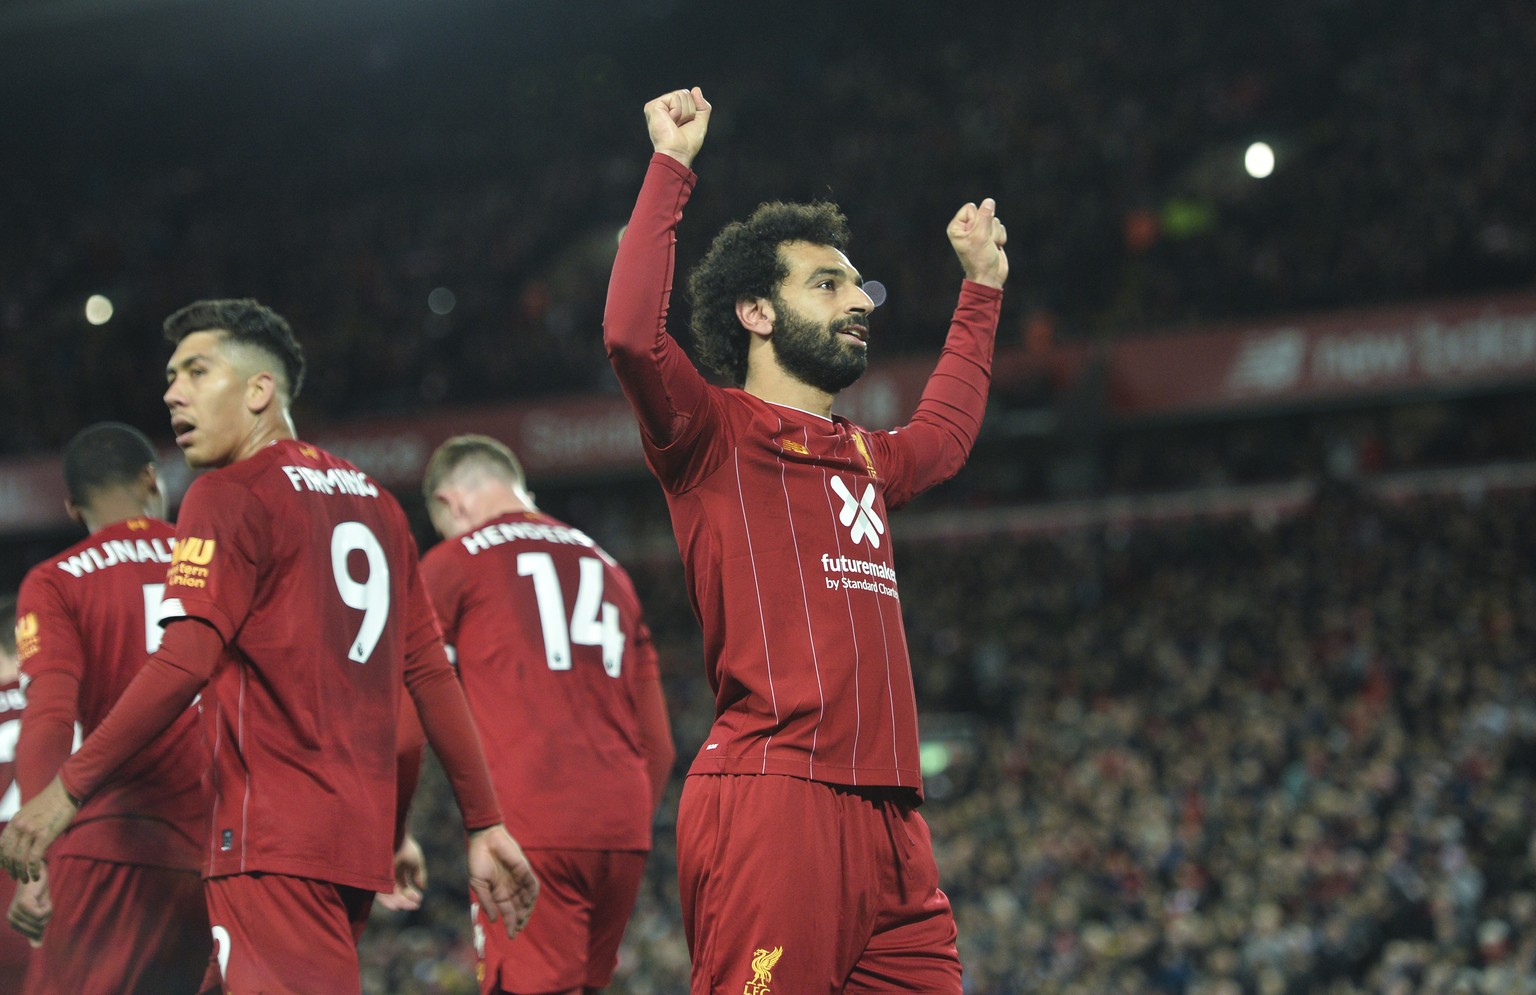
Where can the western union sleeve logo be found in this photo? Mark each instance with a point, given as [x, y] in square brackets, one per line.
[189, 564]
[198, 552]
[28, 641]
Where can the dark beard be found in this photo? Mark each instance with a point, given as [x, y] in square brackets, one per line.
[813, 354]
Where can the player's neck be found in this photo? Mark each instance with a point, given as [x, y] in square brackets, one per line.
[770, 382]
[111, 509]
[266, 431]
[502, 509]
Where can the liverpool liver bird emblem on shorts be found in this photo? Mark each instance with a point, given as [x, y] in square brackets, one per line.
[762, 964]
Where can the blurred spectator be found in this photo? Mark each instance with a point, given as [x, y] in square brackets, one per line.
[1241, 757]
[388, 184]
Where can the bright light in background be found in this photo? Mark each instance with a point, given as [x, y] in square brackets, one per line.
[876, 291]
[441, 300]
[98, 310]
[1259, 160]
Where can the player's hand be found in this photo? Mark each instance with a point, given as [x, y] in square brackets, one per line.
[501, 878]
[31, 908]
[978, 237]
[677, 122]
[34, 829]
[410, 878]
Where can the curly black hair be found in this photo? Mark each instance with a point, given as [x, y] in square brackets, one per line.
[744, 262]
[247, 322]
[104, 455]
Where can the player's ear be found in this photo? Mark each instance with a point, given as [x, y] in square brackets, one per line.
[756, 315]
[260, 391]
[154, 494]
[73, 511]
[449, 512]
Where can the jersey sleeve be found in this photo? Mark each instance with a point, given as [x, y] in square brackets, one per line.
[48, 636]
[444, 713]
[935, 444]
[214, 570]
[52, 659]
[47, 730]
[672, 400]
[410, 742]
[443, 590]
[156, 695]
[643, 648]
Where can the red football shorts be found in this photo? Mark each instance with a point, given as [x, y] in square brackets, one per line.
[280, 935]
[146, 929]
[572, 938]
[795, 887]
[15, 951]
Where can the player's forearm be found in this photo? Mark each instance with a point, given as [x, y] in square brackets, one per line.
[47, 730]
[407, 773]
[656, 739]
[657, 377]
[152, 701]
[408, 750]
[948, 418]
[451, 730]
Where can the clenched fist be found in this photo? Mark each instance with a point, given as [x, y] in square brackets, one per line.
[677, 122]
[978, 237]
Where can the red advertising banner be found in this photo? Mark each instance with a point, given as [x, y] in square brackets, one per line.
[1482, 343]
[1478, 344]
[592, 436]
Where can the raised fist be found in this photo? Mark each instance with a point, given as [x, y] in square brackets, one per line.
[978, 237]
[677, 122]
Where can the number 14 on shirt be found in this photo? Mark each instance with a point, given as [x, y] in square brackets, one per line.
[594, 622]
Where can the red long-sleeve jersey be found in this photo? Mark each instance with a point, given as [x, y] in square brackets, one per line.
[781, 516]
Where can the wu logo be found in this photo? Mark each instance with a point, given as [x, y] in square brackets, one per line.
[194, 550]
[859, 513]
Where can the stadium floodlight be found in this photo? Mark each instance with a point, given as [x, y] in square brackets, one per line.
[98, 309]
[441, 300]
[1259, 160]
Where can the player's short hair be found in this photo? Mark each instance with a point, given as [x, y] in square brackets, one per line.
[248, 323]
[8, 624]
[107, 454]
[744, 262]
[463, 450]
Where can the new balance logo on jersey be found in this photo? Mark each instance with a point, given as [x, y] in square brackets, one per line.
[859, 514]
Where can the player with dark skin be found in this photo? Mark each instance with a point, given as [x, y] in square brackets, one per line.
[229, 403]
[125, 884]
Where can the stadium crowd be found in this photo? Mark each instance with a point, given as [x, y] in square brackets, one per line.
[1248, 756]
[1223, 757]
[346, 187]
